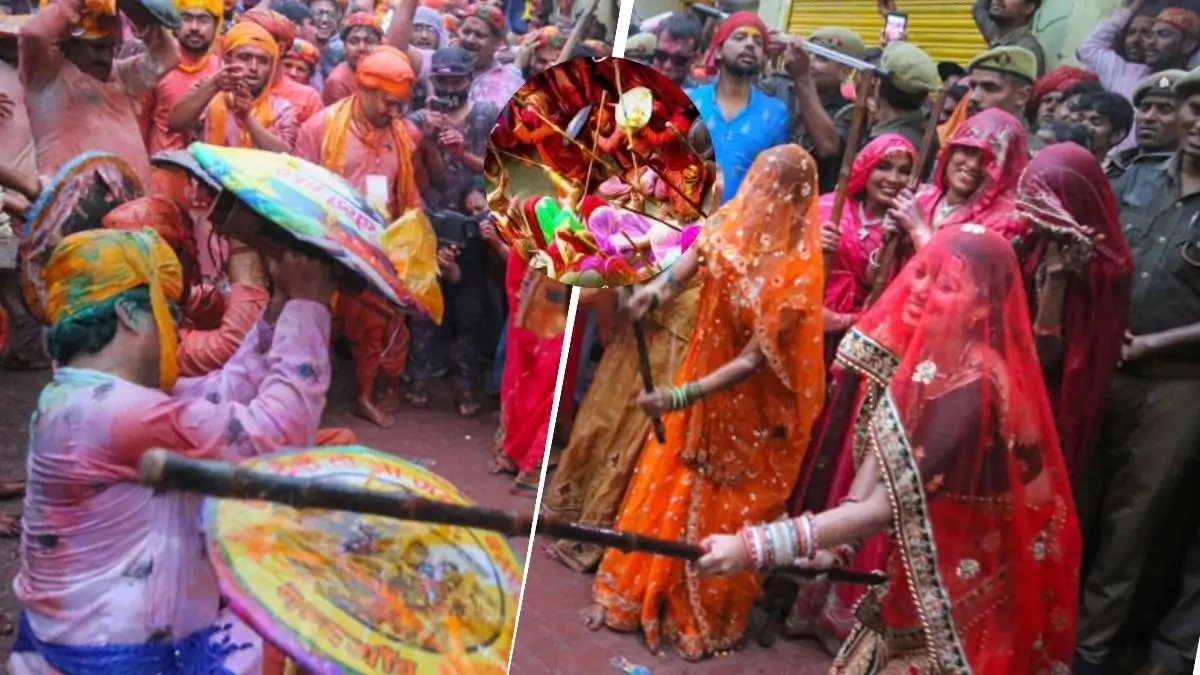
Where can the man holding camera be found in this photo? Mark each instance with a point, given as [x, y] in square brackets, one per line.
[460, 127]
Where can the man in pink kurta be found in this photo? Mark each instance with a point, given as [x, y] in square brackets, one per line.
[79, 98]
[198, 60]
[106, 562]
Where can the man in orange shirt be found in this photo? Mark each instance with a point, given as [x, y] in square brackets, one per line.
[78, 95]
[197, 60]
[366, 140]
[361, 33]
[304, 99]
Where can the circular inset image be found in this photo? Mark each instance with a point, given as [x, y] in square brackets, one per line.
[600, 172]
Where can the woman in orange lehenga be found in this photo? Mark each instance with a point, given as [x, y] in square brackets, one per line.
[960, 462]
[755, 359]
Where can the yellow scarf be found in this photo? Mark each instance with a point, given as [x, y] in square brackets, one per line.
[347, 116]
[243, 35]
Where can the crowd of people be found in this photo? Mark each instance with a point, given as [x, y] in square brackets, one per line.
[979, 385]
[164, 329]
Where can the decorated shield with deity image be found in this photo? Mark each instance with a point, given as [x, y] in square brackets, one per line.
[347, 593]
[310, 204]
[77, 198]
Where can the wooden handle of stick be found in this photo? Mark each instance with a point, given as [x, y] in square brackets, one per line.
[639, 335]
[888, 254]
[577, 32]
[866, 80]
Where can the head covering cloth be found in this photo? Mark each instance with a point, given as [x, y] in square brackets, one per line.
[488, 14]
[281, 29]
[1187, 21]
[306, 52]
[361, 20]
[90, 267]
[245, 33]
[1066, 198]
[1059, 80]
[426, 16]
[727, 28]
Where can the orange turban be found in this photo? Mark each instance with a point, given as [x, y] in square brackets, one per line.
[213, 7]
[248, 34]
[278, 25]
[385, 69]
[305, 51]
[159, 214]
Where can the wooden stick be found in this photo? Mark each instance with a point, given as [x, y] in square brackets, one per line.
[164, 470]
[866, 80]
[888, 255]
[577, 32]
[639, 335]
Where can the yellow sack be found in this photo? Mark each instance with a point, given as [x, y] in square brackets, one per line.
[411, 245]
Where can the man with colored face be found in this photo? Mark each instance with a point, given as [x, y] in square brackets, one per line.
[327, 16]
[77, 96]
[300, 63]
[1009, 23]
[1108, 117]
[1156, 120]
[305, 101]
[742, 120]
[460, 128]
[1003, 77]
[366, 140]
[196, 62]
[539, 50]
[360, 34]
[676, 49]
[483, 30]
[1164, 39]
[236, 107]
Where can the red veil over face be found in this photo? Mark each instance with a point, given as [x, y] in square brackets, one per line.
[1065, 197]
[1005, 147]
[985, 573]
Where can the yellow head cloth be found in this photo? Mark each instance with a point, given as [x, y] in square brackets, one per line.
[93, 266]
[248, 34]
[213, 7]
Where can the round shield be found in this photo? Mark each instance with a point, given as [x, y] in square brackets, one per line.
[77, 198]
[312, 204]
[183, 160]
[347, 593]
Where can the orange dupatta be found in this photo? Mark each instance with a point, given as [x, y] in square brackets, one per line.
[347, 116]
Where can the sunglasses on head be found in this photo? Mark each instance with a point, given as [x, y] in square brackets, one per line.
[676, 59]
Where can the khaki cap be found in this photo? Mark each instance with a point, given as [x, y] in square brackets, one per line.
[640, 46]
[841, 40]
[910, 69]
[1010, 60]
[1162, 82]
[1188, 84]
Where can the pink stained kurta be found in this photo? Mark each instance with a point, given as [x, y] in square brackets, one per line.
[305, 100]
[16, 135]
[203, 351]
[169, 90]
[72, 112]
[339, 85]
[362, 160]
[107, 561]
[496, 84]
[283, 125]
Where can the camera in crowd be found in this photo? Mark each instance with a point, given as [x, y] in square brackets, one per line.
[455, 229]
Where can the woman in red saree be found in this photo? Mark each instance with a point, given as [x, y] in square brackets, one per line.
[964, 469]
[879, 172]
[537, 321]
[1079, 274]
[976, 182]
[747, 393]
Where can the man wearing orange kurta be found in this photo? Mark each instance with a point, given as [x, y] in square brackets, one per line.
[197, 60]
[78, 95]
[360, 34]
[236, 107]
[304, 99]
[366, 140]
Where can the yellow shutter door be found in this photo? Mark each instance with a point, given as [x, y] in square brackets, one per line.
[943, 28]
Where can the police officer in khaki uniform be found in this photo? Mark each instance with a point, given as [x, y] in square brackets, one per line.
[811, 86]
[1156, 120]
[1003, 78]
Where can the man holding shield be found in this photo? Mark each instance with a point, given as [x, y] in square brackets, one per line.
[114, 576]
[366, 140]
[79, 97]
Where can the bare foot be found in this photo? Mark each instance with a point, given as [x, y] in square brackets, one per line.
[389, 402]
[551, 551]
[11, 489]
[593, 616]
[366, 409]
[502, 465]
[10, 526]
[6, 625]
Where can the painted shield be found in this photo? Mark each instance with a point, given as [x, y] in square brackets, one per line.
[183, 160]
[347, 593]
[312, 204]
[76, 199]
